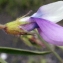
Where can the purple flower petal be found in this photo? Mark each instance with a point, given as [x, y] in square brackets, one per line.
[29, 27]
[51, 32]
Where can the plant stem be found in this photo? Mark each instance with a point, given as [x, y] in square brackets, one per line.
[2, 26]
[46, 44]
[59, 58]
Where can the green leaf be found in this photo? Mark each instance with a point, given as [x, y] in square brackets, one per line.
[22, 51]
[2, 61]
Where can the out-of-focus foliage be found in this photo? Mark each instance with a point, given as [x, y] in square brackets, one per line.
[2, 61]
[14, 7]
[37, 60]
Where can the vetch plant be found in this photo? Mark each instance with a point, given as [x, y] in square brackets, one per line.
[44, 20]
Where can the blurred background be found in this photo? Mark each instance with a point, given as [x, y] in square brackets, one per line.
[9, 11]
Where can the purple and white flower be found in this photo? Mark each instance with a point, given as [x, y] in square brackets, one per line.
[45, 20]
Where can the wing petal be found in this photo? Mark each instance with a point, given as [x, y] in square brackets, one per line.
[51, 32]
[28, 27]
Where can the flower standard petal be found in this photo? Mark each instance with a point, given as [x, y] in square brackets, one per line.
[52, 12]
[51, 32]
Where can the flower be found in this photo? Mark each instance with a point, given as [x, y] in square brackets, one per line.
[45, 20]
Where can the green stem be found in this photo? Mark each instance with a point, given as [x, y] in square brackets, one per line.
[46, 44]
[59, 58]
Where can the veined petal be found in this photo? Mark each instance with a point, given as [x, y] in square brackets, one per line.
[52, 12]
[51, 32]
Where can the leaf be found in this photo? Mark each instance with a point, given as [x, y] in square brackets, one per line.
[22, 51]
[2, 61]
